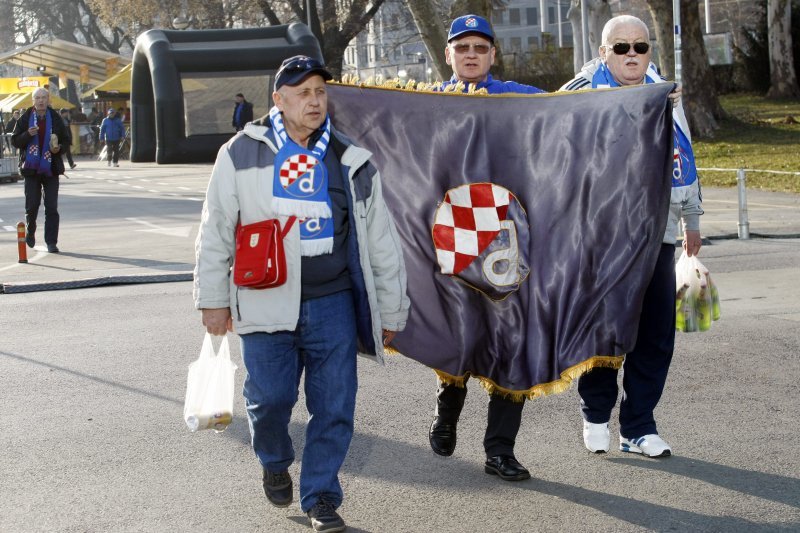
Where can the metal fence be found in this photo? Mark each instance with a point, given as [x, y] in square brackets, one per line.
[741, 185]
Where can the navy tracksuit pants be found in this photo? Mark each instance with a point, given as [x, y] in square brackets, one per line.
[646, 366]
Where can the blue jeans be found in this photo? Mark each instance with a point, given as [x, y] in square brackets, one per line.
[324, 345]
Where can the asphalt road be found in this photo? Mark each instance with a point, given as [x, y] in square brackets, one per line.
[92, 383]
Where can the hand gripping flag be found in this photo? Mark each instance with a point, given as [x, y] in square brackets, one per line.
[530, 224]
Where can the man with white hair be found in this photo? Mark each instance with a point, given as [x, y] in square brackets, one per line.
[625, 60]
[41, 136]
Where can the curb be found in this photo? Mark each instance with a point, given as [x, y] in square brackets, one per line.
[11, 288]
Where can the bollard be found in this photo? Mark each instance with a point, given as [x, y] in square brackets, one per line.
[744, 224]
[23, 251]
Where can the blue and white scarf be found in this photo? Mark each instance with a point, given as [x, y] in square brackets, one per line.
[684, 170]
[38, 157]
[300, 187]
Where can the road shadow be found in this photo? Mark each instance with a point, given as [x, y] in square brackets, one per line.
[132, 261]
[652, 516]
[780, 489]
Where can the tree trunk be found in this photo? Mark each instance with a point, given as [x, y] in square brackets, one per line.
[783, 78]
[700, 100]
[433, 34]
[574, 16]
[661, 11]
[599, 12]
[336, 35]
[6, 32]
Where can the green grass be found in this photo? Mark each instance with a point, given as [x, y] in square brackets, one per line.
[759, 134]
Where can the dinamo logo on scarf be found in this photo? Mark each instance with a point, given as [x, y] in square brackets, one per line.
[297, 175]
[479, 232]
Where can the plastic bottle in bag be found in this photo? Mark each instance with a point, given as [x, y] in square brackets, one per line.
[690, 313]
[704, 309]
[680, 320]
[715, 308]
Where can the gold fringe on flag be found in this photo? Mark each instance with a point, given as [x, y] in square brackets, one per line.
[543, 389]
[411, 85]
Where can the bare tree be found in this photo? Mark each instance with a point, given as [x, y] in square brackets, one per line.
[701, 101]
[661, 11]
[333, 23]
[599, 12]
[70, 20]
[433, 32]
[783, 78]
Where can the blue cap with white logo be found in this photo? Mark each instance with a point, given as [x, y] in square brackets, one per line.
[470, 24]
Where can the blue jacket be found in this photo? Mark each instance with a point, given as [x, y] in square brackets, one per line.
[112, 129]
[494, 86]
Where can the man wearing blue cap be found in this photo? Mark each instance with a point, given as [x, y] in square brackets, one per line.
[345, 291]
[471, 52]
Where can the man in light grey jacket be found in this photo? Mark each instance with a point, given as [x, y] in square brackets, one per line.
[346, 286]
[625, 60]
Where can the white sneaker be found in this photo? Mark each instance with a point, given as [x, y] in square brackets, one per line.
[649, 446]
[595, 437]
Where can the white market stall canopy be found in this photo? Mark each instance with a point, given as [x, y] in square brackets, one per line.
[58, 55]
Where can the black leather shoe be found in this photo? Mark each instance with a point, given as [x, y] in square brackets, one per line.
[278, 488]
[442, 437]
[325, 518]
[507, 467]
[52, 248]
[30, 240]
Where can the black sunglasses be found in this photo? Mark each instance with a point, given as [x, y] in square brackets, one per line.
[301, 64]
[623, 48]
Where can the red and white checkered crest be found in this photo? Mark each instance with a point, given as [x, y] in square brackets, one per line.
[295, 167]
[467, 222]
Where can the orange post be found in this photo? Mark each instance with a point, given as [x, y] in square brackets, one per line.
[23, 252]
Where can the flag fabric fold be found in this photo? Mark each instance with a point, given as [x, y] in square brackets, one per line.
[530, 224]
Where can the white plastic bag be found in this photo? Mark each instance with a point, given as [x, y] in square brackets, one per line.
[696, 296]
[209, 388]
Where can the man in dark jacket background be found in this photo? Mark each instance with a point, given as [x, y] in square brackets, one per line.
[40, 135]
[242, 112]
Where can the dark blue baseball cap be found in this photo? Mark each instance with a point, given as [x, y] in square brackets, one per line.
[294, 69]
[470, 24]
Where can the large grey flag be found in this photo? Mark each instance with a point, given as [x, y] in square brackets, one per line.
[530, 224]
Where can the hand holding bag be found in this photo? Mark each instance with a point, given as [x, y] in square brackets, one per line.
[260, 262]
[696, 297]
[209, 388]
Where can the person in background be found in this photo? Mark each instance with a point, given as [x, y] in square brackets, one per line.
[64, 112]
[41, 136]
[9, 129]
[242, 112]
[471, 52]
[112, 131]
[95, 119]
[625, 60]
[345, 291]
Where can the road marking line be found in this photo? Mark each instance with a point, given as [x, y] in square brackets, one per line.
[137, 186]
[9, 228]
[153, 191]
[182, 231]
[184, 188]
[33, 259]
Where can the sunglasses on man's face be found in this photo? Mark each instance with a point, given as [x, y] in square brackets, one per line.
[480, 49]
[623, 48]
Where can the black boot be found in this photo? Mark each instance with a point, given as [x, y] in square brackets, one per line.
[442, 435]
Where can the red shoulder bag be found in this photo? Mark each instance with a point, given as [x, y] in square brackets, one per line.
[260, 262]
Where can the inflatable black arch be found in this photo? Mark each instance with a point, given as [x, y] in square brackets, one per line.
[157, 106]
